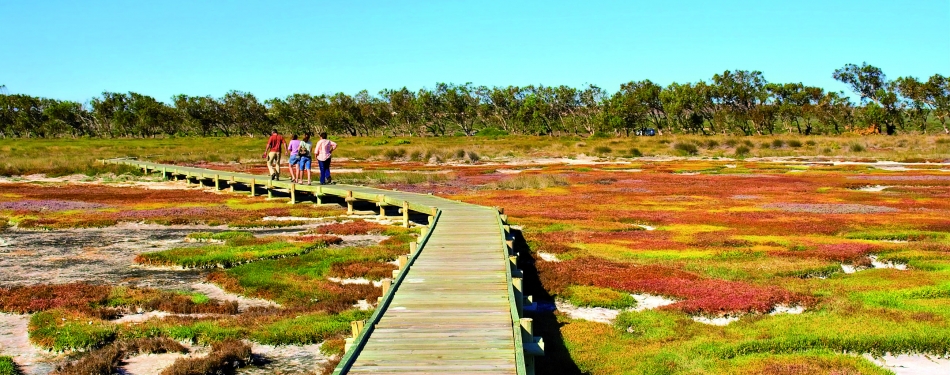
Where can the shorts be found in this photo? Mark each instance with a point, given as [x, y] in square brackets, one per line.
[293, 159]
[303, 163]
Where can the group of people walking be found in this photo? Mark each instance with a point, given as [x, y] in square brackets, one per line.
[301, 153]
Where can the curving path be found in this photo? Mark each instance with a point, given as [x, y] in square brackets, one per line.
[454, 307]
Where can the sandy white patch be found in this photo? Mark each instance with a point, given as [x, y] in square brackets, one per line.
[593, 314]
[879, 264]
[4, 242]
[376, 238]
[363, 305]
[144, 316]
[786, 309]
[15, 342]
[687, 173]
[548, 257]
[731, 166]
[509, 171]
[913, 364]
[286, 359]
[215, 292]
[716, 321]
[148, 364]
[849, 269]
[357, 280]
[291, 218]
[796, 171]
[874, 188]
[650, 301]
[646, 227]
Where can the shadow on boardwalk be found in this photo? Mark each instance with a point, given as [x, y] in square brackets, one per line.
[556, 359]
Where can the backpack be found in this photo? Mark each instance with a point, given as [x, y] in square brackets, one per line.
[302, 150]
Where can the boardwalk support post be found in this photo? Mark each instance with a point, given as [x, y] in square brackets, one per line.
[231, 183]
[217, 182]
[164, 174]
[405, 214]
[293, 193]
[413, 247]
[349, 202]
[253, 187]
[381, 203]
[319, 194]
[270, 189]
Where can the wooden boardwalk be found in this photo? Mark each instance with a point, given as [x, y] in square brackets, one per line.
[454, 307]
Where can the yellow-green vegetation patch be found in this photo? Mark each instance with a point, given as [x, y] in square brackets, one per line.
[61, 330]
[306, 329]
[592, 296]
[238, 249]
[8, 367]
[896, 235]
[219, 236]
[808, 362]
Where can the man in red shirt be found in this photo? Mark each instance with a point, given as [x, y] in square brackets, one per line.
[272, 153]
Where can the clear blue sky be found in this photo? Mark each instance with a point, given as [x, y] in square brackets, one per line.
[76, 49]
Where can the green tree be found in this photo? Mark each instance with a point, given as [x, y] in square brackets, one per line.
[870, 83]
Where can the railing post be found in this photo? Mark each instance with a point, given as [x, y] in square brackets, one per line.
[519, 294]
[527, 336]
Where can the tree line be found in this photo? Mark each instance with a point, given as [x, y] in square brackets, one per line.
[734, 102]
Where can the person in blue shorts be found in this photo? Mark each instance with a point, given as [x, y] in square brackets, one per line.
[305, 155]
[292, 148]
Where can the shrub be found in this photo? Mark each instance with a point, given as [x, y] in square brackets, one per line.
[794, 143]
[400, 142]
[603, 150]
[380, 142]
[225, 357]
[592, 296]
[811, 142]
[943, 141]
[635, 152]
[491, 132]
[685, 148]
[742, 151]
[416, 155]
[765, 145]
[778, 143]
[472, 157]
[711, 143]
[748, 143]
[394, 153]
[459, 154]
[731, 142]
[857, 147]
[826, 151]
[8, 367]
